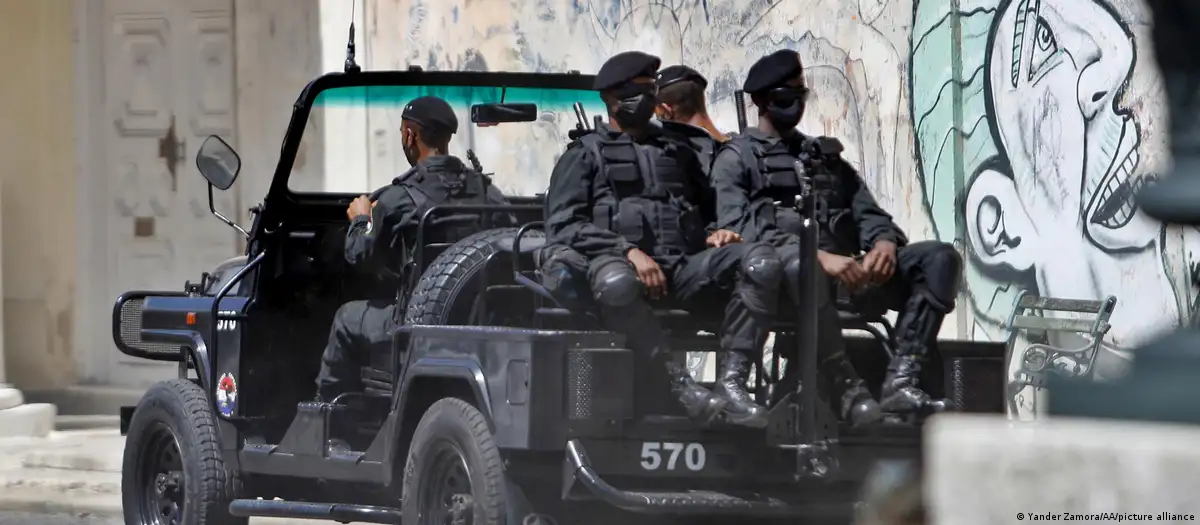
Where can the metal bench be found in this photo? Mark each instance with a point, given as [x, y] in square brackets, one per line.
[1041, 358]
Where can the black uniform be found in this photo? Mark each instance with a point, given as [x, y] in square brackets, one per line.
[699, 138]
[760, 205]
[755, 179]
[382, 243]
[612, 192]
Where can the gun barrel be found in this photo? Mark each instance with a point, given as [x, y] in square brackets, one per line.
[582, 112]
[807, 308]
[739, 98]
[580, 115]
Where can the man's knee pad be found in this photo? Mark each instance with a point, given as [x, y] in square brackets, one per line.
[943, 272]
[616, 284]
[348, 315]
[762, 271]
[564, 274]
[762, 266]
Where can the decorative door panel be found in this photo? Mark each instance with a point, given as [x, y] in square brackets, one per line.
[168, 83]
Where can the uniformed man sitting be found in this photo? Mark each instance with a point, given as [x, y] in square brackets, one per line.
[682, 109]
[630, 205]
[756, 182]
[383, 229]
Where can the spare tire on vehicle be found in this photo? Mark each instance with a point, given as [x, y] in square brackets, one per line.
[446, 292]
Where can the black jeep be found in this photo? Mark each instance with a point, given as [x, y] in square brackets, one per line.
[494, 404]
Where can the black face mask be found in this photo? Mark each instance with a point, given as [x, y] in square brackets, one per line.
[786, 107]
[635, 107]
[410, 152]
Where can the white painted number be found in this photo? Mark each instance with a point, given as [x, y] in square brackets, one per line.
[226, 325]
[693, 455]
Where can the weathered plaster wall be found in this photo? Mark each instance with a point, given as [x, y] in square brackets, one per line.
[279, 50]
[993, 124]
[37, 145]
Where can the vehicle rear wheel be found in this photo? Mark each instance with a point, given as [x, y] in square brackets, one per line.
[453, 475]
[172, 472]
[447, 290]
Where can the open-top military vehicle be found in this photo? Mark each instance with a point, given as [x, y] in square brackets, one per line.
[494, 404]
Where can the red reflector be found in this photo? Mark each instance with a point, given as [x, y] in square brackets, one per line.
[191, 318]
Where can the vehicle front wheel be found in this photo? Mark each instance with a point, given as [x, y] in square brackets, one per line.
[173, 472]
[453, 474]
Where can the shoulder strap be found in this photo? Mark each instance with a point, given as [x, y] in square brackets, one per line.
[591, 143]
[746, 148]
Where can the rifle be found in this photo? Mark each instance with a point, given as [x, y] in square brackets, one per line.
[581, 127]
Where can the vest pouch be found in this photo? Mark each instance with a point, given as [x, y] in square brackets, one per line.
[782, 180]
[621, 169]
[630, 221]
[602, 216]
[779, 170]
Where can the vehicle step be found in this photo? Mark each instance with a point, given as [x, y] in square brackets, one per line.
[276, 508]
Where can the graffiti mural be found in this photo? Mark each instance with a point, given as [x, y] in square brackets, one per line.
[1031, 151]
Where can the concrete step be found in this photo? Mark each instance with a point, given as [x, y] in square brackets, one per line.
[27, 420]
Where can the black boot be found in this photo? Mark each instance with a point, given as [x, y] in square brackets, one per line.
[701, 405]
[901, 393]
[855, 405]
[731, 385]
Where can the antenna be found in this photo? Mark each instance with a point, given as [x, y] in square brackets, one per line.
[351, 65]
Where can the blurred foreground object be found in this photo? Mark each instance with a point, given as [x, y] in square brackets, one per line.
[1176, 198]
[892, 495]
[1161, 386]
[983, 470]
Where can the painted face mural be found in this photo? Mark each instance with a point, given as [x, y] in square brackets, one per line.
[1055, 85]
[1045, 202]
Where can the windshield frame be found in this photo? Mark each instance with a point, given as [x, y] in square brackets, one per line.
[279, 197]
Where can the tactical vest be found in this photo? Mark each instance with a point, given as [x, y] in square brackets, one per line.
[650, 204]
[773, 177]
[429, 188]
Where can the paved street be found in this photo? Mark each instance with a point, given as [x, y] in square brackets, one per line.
[27, 518]
[73, 478]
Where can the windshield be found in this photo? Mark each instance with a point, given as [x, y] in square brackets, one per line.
[353, 135]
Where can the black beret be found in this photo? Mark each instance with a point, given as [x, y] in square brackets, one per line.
[431, 113]
[624, 67]
[772, 70]
[680, 73]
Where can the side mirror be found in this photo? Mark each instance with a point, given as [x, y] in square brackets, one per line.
[492, 114]
[218, 163]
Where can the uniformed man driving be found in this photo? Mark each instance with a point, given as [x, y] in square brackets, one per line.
[756, 182]
[682, 109]
[630, 205]
[383, 228]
